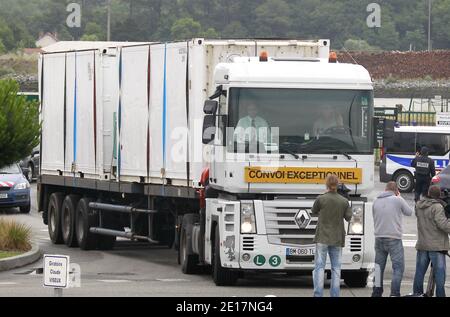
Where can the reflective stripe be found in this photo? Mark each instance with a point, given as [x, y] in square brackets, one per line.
[164, 106]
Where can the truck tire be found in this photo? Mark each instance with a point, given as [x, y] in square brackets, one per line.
[221, 276]
[189, 262]
[105, 243]
[405, 181]
[356, 279]
[83, 222]
[68, 212]
[54, 218]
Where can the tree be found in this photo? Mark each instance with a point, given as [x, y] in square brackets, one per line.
[6, 36]
[89, 38]
[93, 31]
[235, 30]
[273, 19]
[19, 122]
[186, 28]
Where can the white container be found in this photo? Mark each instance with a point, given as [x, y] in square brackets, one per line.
[117, 111]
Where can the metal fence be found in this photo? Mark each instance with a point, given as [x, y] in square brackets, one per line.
[417, 118]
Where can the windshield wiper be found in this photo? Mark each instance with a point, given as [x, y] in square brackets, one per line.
[348, 156]
[4, 173]
[284, 148]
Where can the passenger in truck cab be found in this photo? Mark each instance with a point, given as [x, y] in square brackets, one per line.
[329, 118]
[251, 128]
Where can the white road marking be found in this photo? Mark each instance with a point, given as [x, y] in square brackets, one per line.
[410, 235]
[44, 230]
[114, 281]
[172, 280]
[7, 283]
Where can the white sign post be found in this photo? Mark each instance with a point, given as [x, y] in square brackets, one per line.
[443, 119]
[56, 273]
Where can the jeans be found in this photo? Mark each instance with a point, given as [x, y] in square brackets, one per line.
[422, 185]
[383, 248]
[319, 271]
[439, 266]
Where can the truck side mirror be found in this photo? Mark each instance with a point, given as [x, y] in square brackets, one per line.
[209, 128]
[210, 107]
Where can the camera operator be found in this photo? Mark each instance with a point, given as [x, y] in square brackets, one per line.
[432, 245]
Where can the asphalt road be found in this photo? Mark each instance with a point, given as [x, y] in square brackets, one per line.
[140, 270]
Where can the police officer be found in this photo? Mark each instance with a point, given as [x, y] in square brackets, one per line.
[425, 171]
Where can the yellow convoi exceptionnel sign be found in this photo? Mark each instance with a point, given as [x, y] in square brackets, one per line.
[301, 175]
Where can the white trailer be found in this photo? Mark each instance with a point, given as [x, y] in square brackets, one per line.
[135, 144]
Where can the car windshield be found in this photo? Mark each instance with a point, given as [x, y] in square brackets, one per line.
[12, 169]
[314, 121]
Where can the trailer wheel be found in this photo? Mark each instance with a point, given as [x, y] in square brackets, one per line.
[221, 276]
[189, 262]
[54, 218]
[83, 222]
[68, 210]
[356, 279]
[105, 243]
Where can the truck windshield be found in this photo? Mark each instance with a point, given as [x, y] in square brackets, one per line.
[313, 121]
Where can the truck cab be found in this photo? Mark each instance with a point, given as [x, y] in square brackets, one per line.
[274, 130]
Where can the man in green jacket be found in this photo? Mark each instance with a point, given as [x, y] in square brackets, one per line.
[432, 245]
[332, 209]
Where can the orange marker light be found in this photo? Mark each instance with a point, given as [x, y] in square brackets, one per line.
[264, 56]
[333, 57]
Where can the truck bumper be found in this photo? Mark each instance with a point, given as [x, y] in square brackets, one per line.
[271, 257]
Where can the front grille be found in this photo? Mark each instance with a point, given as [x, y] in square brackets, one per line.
[283, 229]
[248, 243]
[4, 189]
[356, 244]
[294, 241]
[300, 259]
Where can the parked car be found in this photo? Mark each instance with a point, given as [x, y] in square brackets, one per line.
[31, 163]
[14, 188]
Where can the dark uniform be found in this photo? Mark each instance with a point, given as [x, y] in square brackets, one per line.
[425, 171]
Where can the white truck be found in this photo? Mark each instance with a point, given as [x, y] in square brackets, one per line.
[216, 147]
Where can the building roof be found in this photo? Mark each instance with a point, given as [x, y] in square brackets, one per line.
[53, 36]
[31, 51]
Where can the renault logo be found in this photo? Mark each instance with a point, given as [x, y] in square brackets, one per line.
[303, 219]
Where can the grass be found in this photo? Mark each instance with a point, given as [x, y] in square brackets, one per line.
[18, 64]
[8, 254]
[14, 237]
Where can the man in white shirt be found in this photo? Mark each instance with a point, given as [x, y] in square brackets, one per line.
[252, 128]
[329, 118]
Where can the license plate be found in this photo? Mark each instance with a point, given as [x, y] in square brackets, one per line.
[300, 251]
[3, 196]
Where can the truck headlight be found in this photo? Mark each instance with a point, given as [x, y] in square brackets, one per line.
[356, 225]
[22, 186]
[248, 220]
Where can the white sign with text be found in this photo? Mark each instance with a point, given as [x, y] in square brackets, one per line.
[443, 119]
[56, 271]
